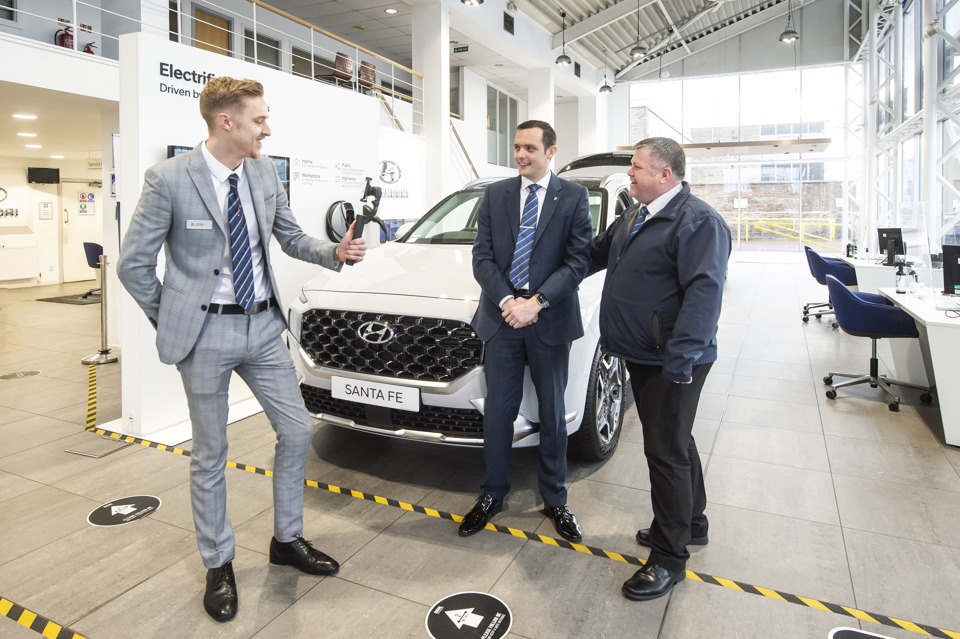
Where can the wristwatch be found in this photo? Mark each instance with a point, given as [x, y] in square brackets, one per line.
[542, 300]
[336, 254]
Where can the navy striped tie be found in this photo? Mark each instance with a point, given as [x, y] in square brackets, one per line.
[640, 218]
[239, 248]
[520, 269]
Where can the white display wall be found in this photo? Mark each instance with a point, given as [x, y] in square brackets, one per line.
[329, 134]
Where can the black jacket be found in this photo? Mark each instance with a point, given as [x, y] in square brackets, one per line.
[663, 288]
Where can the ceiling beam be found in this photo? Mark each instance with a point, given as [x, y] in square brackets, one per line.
[638, 70]
[676, 29]
[599, 20]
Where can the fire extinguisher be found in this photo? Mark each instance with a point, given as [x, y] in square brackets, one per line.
[89, 48]
[64, 38]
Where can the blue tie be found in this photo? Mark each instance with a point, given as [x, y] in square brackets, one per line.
[640, 218]
[520, 269]
[239, 248]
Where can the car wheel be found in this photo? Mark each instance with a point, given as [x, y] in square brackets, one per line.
[599, 431]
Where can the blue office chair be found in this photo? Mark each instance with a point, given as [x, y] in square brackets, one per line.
[873, 316]
[93, 251]
[820, 267]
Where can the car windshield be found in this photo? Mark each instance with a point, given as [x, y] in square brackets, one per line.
[454, 220]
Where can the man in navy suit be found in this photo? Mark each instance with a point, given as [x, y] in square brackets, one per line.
[531, 253]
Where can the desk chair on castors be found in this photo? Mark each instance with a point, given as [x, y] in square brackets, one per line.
[93, 251]
[820, 267]
[873, 316]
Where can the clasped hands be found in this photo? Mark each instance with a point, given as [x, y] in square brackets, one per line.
[519, 312]
[352, 249]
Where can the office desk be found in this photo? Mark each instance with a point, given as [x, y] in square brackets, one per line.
[940, 348]
[872, 275]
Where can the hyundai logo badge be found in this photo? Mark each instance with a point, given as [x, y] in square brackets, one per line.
[375, 332]
[389, 172]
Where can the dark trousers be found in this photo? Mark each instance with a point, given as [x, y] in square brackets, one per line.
[506, 355]
[667, 411]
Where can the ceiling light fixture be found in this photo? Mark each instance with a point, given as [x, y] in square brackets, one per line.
[789, 34]
[27, 135]
[563, 59]
[606, 88]
[23, 116]
[33, 146]
[56, 157]
[638, 50]
[390, 11]
[472, 3]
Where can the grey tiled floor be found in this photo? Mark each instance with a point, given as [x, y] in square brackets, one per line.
[841, 501]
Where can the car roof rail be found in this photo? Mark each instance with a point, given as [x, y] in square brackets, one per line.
[609, 158]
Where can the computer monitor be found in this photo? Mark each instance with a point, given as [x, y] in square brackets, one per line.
[173, 149]
[951, 269]
[886, 236]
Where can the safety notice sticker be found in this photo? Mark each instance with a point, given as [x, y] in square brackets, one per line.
[469, 614]
[123, 511]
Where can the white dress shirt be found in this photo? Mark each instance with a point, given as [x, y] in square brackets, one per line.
[220, 177]
[525, 183]
[661, 202]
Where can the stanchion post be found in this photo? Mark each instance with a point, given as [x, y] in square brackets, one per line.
[103, 355]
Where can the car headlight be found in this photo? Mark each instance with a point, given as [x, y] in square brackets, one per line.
[294, 320]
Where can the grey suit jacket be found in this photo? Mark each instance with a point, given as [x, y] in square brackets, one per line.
[178, 210]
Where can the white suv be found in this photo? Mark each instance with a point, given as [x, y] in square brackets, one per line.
[386, 346]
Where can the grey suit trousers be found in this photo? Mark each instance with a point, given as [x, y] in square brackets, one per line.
[251, 346]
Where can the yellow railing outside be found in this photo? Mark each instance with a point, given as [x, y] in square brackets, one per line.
[794, 228]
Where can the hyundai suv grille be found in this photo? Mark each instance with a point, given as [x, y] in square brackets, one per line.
[399, 346]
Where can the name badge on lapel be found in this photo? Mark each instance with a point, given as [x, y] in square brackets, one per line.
[199, 224]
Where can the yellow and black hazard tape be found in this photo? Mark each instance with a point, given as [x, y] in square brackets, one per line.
[36, 622]
[91, 395]
[769, 593]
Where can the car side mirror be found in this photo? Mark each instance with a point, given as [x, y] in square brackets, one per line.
[403, 230]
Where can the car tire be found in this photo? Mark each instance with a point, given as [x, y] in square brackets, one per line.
[599, 432]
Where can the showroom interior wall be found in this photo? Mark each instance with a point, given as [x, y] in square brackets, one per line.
[46, 231]
[331, 138]
[46, 66]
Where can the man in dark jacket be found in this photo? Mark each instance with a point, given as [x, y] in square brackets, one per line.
[666, 261]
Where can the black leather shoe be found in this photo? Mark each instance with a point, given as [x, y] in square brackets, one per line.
[301, 554]
[643, 538]
[220, 599]
[651, 581]
[474, 521]
[565, 523]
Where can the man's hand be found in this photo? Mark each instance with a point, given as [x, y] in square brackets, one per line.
[352, 249]
[519, 312]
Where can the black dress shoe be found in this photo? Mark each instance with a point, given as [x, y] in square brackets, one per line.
[651, 581]
[565, 523]
[301, 554]
[643, 538]
[220, 599]
[474, 521]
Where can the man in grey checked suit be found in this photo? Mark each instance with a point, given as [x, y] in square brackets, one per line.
[191, 205]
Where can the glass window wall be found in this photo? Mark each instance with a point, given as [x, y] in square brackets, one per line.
[771, 199]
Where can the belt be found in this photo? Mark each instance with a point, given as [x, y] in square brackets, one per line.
[525, 294]
[236, 309]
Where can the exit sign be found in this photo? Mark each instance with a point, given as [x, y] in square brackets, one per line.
[462, 49]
